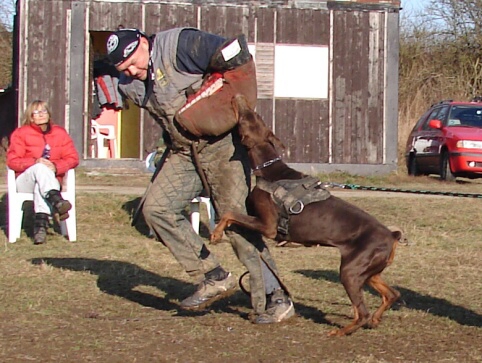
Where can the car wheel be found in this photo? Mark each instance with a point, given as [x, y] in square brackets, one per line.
[445, 171]
[412, 166]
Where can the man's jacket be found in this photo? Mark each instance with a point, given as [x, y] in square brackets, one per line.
[169, 87]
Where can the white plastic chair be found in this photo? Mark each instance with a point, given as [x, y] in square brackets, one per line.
[195, 216]
[101, 133]
[15, 207]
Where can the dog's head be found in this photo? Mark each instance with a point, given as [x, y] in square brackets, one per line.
[251, 127]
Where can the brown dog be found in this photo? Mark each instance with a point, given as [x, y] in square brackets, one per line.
[367, 247]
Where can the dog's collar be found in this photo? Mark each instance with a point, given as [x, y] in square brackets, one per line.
[267, 163]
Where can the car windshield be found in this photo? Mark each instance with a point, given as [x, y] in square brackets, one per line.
[465, 116]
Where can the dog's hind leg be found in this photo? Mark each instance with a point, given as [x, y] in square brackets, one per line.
[389, 296]
[353, 284]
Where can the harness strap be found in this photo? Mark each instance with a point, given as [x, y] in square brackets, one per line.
[292, 196]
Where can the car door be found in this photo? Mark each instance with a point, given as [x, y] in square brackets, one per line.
[427, 142]
[436, 139]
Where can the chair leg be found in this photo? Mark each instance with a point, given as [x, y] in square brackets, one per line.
[113, 148]
[211, 213]
[72, 224]
[102, 150]
[15, 218]
[68, 228]
[195, 218]
[195, 214]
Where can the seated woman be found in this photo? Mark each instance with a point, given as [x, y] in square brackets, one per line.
[40, 153]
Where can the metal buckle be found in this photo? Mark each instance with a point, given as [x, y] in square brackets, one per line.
[301, 207]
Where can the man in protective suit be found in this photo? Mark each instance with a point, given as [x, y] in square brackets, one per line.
[182, 77]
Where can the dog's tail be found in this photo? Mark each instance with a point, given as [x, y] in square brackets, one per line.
[397, 234]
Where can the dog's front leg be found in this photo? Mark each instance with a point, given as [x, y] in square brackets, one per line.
[243, 220]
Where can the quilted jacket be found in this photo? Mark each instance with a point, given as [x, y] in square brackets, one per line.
[27, 144]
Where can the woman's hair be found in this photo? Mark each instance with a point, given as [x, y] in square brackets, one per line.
[35, 105]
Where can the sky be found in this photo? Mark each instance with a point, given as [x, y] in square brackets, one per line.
[410, 6]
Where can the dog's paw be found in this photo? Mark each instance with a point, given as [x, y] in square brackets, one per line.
[336, 333]
[216, 237]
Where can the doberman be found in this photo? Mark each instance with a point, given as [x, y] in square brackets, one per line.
[367, 247]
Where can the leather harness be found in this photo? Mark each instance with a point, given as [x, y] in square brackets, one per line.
[291, 196]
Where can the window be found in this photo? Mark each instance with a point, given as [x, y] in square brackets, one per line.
[465, 116]
[433, 116]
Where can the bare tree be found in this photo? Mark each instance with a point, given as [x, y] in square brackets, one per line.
[459, 25]
[440, 57]
[7, 11]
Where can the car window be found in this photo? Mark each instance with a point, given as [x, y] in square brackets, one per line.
[442, 115]
[420, 121]
[465, 116]
[433, 116]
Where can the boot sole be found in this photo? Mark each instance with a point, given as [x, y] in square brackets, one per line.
[206, 303]
[288, 314]
[64, 208]
[60, 217]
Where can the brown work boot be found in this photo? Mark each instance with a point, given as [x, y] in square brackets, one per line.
[59, 204]
[278, 309]
[210, 291]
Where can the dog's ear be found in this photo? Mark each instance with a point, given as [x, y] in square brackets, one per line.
[275, 141]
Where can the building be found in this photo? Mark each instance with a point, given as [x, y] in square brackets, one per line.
[327, 72]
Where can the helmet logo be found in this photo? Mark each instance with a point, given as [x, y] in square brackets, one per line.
[112, 43]
[130, 48]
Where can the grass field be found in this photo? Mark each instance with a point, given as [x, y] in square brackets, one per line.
[113, 296]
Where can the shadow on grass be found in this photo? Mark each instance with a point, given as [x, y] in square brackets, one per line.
[130, 207]
[413, 300]
[121, 279]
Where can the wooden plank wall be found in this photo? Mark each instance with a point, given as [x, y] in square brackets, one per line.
[357, 47]
[303, 125]
[358, 87]
[46, 59]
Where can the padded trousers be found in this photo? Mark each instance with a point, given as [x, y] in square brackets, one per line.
[227, 171]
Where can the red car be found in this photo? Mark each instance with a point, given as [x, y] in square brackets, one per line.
[447, 140]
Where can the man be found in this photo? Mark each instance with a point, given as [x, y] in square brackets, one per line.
[160, 73]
